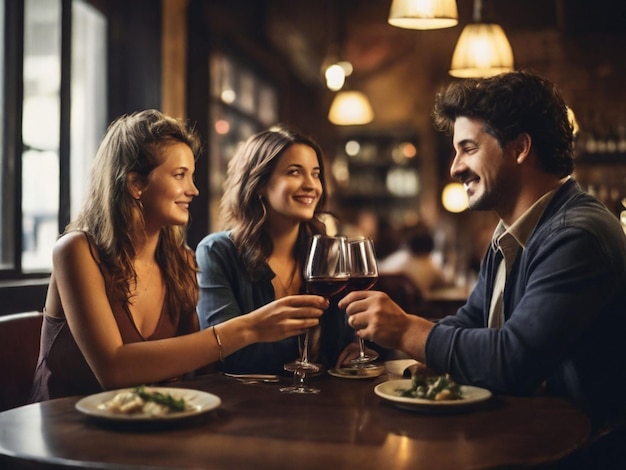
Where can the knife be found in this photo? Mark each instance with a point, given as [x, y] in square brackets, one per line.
[260, 377]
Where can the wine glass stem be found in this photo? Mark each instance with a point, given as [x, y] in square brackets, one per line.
[361, 348]
[299, 378]
[305, 348]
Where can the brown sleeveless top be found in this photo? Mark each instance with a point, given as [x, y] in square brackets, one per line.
[62, 369]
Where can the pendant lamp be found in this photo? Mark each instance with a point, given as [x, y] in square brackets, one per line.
[350, 108]
[482, 50]
[423, 14]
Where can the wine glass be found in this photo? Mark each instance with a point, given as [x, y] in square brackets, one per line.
[363, 275]
[325, 274]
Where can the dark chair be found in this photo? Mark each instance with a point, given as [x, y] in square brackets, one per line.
[19, 349]
[402, 291]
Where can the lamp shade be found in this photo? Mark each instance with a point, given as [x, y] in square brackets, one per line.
[423, 14]
[483, 50]
[350, 108]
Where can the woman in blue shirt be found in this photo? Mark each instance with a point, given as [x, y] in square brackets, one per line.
[272, 205]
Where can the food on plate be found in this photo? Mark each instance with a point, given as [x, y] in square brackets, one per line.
[142, 400]
[437, 388]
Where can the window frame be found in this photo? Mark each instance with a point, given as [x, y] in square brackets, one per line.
[19, 290]
[13, 92]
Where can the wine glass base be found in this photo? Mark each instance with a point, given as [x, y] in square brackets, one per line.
[309, 367]
[363, 361]
[300, 371]
[300, 390]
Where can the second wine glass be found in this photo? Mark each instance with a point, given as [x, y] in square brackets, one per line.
[325, 274]
[363, 275]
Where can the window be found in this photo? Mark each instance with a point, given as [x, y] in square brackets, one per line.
[62, 104]
[41, 118]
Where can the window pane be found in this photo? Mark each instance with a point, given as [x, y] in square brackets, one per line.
[88, 122]
[40, 132]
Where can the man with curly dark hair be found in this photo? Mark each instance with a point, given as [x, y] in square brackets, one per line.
[548, 312]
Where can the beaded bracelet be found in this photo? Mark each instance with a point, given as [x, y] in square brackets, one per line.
[219, 343]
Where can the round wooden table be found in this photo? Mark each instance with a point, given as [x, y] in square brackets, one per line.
[256, 426]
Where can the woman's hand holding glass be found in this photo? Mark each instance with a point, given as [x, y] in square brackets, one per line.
[286, 317]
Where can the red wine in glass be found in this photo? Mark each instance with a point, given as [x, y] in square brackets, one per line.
[364, 282]
[326, 286]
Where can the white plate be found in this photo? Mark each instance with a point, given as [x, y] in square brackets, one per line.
[366, 372]
[389, 391]
[200, 402]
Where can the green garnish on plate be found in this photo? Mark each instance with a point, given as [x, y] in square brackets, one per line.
[165, 399]
[437, 388]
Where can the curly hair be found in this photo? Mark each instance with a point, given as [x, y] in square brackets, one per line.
[113, 218]
[243, 211]
[511, 104]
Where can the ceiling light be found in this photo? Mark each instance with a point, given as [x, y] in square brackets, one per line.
[454, 198]
[482, 50]
[350, 108]
[336, 75]
[423, 14]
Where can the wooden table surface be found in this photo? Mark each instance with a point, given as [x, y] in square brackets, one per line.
[345, 426]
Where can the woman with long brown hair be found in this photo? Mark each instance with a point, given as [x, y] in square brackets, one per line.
[274, 200]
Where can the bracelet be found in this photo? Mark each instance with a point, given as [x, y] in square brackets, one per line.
[219, 343]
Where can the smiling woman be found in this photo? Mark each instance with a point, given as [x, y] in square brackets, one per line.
[169, 188]
[275, 194]
[129, 234]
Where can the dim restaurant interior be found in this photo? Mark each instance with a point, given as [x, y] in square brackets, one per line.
[234, 67]
[361, 77]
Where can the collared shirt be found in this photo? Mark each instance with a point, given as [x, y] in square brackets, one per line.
[508, 241]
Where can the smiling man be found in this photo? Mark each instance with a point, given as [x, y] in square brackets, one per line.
[548, 313]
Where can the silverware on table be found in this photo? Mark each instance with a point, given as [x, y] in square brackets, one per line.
[254, 378]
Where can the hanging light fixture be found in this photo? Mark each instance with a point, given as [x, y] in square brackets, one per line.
[350, 108]
[336, 74]
[483, 49]
[423, 14]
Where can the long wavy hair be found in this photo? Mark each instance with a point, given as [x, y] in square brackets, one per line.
[243, 211]
[511, 104]
[113, 218]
